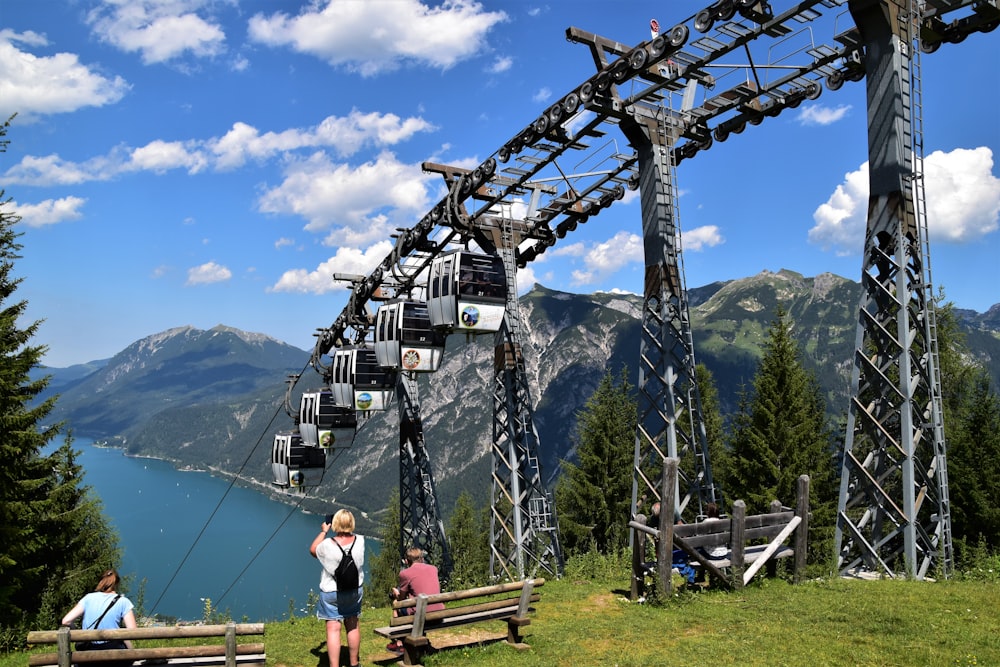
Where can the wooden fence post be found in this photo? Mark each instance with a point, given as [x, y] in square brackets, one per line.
[737, 531]
[230, 644]
[802, 536]
[665, 543]
[638, 588]
[63, 646]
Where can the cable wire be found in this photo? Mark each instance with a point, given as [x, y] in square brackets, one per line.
[218, 505]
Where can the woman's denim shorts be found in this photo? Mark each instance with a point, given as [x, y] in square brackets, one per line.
[338, 605]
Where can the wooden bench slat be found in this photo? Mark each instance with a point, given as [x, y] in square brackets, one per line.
[451, 596]
[153, 632]
[146, 653]
[393, 631]
[430, 616]
[225, 652]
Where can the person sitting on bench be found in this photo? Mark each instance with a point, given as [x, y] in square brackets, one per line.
[415, 579]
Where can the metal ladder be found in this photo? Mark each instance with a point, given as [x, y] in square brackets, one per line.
[913, 106]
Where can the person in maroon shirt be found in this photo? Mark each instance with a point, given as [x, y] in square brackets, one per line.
[417, 578]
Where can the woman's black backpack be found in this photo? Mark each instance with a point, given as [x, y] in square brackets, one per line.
[346, 574]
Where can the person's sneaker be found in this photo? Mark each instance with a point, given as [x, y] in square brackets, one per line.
[395, 647]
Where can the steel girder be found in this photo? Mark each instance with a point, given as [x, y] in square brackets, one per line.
[893, 511]
[670, 420]
[524, 533]
[420, 520]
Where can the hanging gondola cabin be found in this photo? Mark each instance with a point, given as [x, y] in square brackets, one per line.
[467, 292]
[324, 424]
[359, 382]
[293, 463]
[404, 338]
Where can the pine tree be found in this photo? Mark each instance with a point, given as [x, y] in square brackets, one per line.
[718, 456]
[780, 432]
[594, 495]
[386, 565]
[53, 537]
[974, 465]
[468, 535]
[972, 436]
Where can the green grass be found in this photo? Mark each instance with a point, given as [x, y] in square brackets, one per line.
[824, 622]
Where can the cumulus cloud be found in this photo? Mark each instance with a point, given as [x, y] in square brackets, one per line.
[163, 156]
[207, 273]
[345, 134]
[501, 64]
[699, 238]
[373, 37]
[963, 202]
[50, 211]
[602, 259]
[542, 95]
[356, 204]
[35, 85]
[817, 114]
[320, 280]
[159, 31]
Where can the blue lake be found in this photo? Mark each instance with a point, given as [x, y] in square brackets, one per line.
[193, 536]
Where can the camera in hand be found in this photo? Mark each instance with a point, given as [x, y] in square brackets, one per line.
[328, 519]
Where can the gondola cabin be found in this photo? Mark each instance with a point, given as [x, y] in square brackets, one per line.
[324, 424]
[293, 463]
[467, 292]
[359, 382]
[405, 339]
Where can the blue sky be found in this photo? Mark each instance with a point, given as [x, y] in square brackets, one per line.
[200, 162]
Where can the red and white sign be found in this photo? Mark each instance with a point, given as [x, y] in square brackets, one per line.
[654, 28]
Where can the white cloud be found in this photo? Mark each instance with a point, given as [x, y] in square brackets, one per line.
[162, 156]
[501, 64]
[542, 95]
[963, 195]
[697, 239]
[372, 37]
[282, 242]
[32, 85]
[207, 273]
[358, 204]
[159, 30]
[817, 114]
[50, 211]
[346, 134]
[963, 202]
[53, 170]
[602, 259]
[320, 280]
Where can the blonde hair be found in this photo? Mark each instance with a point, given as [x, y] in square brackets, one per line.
[109, 581]
[413, 554]
[343, 522]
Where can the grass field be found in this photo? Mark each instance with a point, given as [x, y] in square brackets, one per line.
[581, 622]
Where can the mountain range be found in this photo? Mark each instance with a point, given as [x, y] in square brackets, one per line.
[214, 399]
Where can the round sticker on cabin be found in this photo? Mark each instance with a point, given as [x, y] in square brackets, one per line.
[296, 478]
[326, 439]
[470, 316]
[411, 359]
[364, 400]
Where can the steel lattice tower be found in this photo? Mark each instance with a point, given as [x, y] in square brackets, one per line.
[670, 422]
[893, 513]
[419, 516]
[524, 534]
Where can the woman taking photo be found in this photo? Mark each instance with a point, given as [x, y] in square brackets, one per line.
[340, 594]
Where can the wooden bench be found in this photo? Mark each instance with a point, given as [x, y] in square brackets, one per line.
[510, 602]
[740, 534]
[226, 652]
